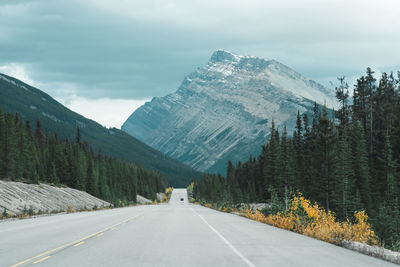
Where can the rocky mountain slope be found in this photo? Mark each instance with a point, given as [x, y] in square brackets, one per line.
[224, 110]
[33, 104]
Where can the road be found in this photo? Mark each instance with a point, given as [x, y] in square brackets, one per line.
[174, 234]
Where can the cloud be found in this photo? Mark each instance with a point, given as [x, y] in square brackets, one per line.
[109, 112]
[17, 71]
[106, 111]
[140, 49]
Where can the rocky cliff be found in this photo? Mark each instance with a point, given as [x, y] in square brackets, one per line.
[223, 111]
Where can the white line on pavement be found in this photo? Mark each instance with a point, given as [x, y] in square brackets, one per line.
[247, 261]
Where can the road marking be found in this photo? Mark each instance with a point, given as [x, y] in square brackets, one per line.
[74, 242]
[247, 261]
[78, 244]
[100, 234]
[42, 259]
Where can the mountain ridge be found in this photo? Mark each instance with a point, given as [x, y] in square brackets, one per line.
[223, 110]
[32, 103]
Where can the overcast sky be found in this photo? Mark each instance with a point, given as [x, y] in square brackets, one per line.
[104, 58]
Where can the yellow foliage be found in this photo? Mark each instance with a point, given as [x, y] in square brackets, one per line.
[70, 209]
[168, 190]
[208, 205]
[190, 187]
[167, 195]
[314, 221]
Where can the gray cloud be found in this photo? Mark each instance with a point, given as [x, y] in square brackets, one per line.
[139, 49]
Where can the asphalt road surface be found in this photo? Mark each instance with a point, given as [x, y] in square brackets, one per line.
[174, 234]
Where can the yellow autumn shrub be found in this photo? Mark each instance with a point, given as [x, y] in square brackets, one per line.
[168, 190]
[311, 220]
[70, 209]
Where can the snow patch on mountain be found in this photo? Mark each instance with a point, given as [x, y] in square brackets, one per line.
[13, 82]
[224, 110]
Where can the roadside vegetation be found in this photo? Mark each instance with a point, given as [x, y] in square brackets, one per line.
[346, 162]
[311, 220]
[167, 194]
[33, 156]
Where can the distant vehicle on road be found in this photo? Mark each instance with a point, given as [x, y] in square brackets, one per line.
[181, 198]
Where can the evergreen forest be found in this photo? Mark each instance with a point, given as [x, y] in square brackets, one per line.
[33, 155]
[346, 162]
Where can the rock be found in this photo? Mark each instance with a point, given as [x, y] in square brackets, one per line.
[143, 200]
[375, 251]
[18, 197]
[160, 196]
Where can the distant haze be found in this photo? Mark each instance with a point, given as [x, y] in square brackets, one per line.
[104, 58]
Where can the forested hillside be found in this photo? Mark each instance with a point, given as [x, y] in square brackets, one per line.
[30, 155]
[346, 163]
[32, 104]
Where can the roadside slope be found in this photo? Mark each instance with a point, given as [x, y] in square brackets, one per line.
[18, 197]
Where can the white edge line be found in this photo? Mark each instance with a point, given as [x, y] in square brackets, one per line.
[247, 261]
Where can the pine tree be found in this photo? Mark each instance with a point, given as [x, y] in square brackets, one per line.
[10, 149]
[2, 144]
[287, 169]
[360, 165]
[78, 135]
[39, 135]
[91, 182]
[390, 167]
[344, 185]
[342, 94]
[298, 143]
[325, 138]
[53, 178]
[25, 155]
[271, 161]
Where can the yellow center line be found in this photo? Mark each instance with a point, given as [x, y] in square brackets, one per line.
[42, 259]
[78, 244]
[100, 234]
[72, 243]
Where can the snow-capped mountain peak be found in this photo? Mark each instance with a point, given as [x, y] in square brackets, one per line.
[223, 110]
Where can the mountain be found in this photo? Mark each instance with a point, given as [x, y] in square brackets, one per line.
[31, 104]
[223, 111]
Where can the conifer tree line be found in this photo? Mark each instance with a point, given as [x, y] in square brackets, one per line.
[347, 161]
[34, 156]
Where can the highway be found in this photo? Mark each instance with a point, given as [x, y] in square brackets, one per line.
[173, 234]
